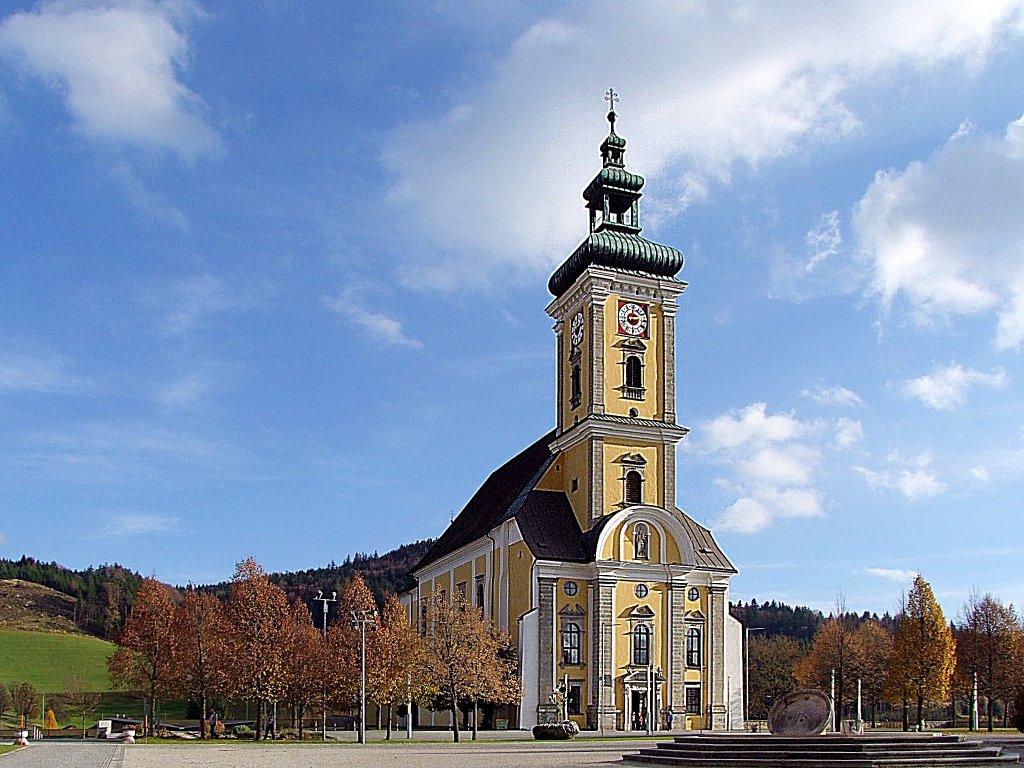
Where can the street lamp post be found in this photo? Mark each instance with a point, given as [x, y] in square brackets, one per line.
[361, 619]
[324, 601]
[746, 670]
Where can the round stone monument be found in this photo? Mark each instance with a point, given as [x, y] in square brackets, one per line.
[800, 713]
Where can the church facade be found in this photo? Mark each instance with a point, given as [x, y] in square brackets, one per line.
[613, 596]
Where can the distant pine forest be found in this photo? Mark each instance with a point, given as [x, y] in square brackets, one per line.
[103, 595]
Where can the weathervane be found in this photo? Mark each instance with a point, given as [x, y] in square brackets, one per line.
[611, 97]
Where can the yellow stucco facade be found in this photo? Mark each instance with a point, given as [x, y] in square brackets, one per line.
[615, 599]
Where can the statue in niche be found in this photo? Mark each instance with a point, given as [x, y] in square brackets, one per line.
[641, 541]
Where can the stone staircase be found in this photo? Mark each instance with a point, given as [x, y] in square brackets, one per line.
[870, 751]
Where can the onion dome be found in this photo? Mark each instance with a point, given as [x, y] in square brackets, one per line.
[614, 241]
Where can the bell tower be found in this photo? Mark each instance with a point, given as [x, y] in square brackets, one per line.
[615, 305]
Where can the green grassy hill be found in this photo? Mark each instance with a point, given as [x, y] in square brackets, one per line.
[49, 660]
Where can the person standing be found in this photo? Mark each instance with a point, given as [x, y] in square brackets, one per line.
[213, 719]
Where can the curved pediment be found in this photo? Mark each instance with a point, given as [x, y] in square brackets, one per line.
[668, 541]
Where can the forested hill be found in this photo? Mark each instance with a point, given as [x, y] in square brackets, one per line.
[103, 596]
[383, 574]
[799, 623]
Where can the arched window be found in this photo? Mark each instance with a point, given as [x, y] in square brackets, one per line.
[634, 487]
[480, 594]
[641, 541]
[634, 372]
[693, 647]
[571, 643]
[641, 645]
[577, 387]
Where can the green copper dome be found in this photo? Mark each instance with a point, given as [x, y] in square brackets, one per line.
[616, 250]
[613, 200]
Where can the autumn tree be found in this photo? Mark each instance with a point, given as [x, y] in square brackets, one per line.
[464, 657]
[344, 642]
[306, 658]
[772, 671]
[5, 702]
[199, 632]
[874, 648]
[924, 652]
[397, 673]
[77, 694]
[24, 701]
[257, 612]
[144, 656]
[990, 644]
[833, 650]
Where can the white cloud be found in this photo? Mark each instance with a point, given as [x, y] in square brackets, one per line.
[914, 480]
[750, 426]
[185, 391]
[899, 575]
[980, 473]
[946, 235]
[771, 466]
[32, 373]
[189, 301]
[745, 515]
[836, 395]
[118, 65]
[147, 202]
[824, 240]
[138, 525]
[848, 432]
[716, 85]
[946, 388]
[382, 326]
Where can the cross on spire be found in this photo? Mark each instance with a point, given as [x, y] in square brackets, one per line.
[611, 97]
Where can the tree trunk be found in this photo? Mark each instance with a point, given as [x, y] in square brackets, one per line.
[920, 710]
[475, 715]
[301, 709]
[259, 721]
[387, 735]
[906, 715]
[455, 720]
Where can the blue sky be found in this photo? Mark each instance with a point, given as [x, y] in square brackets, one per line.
[273, 274]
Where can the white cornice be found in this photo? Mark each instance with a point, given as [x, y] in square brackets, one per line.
[597, 283]
[662, 433]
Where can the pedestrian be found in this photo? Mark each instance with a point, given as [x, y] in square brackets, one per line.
[213, 719]
[268, 731]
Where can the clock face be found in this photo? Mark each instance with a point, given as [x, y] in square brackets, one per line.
[576, 329]
[633, 319]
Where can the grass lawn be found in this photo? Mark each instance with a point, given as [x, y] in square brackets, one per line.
[4, 748]
[48, 660]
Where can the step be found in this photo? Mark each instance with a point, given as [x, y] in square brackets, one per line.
[919, 762]
[832, 754]
[766, 751]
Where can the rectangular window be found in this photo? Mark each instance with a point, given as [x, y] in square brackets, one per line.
[461, 587]
[641, 645]
[693, 647]
[575, 701]
[693, 699]
[572, 637]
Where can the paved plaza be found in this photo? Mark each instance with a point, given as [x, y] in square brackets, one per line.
[583, 752]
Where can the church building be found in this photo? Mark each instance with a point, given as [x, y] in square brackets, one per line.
[611, 594]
